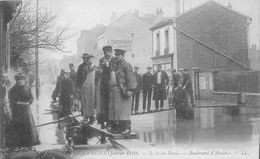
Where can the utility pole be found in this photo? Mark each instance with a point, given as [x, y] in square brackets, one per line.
[36, 53]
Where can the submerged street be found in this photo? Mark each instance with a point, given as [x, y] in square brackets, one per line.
[222, 129]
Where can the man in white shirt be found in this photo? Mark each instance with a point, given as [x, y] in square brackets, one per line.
[161, 80]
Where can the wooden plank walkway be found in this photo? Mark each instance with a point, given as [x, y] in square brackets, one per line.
[128, 142]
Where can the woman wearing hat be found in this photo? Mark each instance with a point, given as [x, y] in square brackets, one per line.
[22, 132]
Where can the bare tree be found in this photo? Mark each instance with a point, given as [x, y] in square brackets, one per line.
[23, 33]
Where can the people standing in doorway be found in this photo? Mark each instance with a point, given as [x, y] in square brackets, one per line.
[161, 80]
[122, 84]
[102, 107]
[147, 86]
[187, 86]
[136, 94]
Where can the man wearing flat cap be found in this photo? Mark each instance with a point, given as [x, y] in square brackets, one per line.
[122, 84]
[161, 80]
[138, 77]
[104, 65]
[147, 86]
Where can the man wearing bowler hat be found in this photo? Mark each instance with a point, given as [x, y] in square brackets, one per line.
[104, 64]
[161, 80]
[122, 84]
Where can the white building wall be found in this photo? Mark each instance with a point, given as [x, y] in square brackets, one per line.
[161, 31]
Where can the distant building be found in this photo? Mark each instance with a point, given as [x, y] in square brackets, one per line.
[131, 33]
[210, 36]
[87, 42]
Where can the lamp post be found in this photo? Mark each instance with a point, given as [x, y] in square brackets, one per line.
[36, 53]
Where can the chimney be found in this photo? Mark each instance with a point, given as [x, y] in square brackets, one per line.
[158, 15]
[229, 5]
[113, 17]
[177, 7]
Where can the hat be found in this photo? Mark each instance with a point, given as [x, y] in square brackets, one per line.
[186, 69]
[19, 76]
[159, 65]
[136, 67]
[149, 68]
[119, 52]
[85, 55]
[71, 64]
[108, 47]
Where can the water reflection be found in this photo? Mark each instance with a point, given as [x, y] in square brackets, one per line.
[210, 126]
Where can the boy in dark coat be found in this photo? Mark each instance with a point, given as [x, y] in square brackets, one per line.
[180, 101]
[66, 95]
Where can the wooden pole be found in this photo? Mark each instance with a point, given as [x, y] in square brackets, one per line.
[36, 53]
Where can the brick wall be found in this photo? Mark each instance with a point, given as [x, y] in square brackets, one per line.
[219, 28]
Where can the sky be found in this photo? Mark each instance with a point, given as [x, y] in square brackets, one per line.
[85, 14]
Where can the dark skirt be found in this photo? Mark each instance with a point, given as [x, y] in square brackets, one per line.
[21, 130]
[159, 93]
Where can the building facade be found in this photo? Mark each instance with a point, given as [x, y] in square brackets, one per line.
[87, 42]
[131, 33]
[210, 36]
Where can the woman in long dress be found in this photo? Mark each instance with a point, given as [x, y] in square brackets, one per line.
[22, 131]
[88, 91]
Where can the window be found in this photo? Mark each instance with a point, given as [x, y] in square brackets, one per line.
[166, 47]
[157, 44]
[132, 35]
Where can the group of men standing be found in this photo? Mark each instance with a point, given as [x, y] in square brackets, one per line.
[112, 89]
[108, 89]
[161, 85]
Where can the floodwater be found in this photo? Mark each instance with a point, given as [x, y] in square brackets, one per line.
[230, 132]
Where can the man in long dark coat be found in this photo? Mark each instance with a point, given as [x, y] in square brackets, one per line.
[104, 65]
[82, 72]
[66, 95]
[161, 80]
[122, 83]
[136, 95]
[81, 75]
[147, 86]
[187, 86]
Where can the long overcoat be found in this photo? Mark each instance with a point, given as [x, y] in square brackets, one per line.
[160, 89]
[65, 96]
[121, 81]
[22, 131]
[104, 88]
[88, 92]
